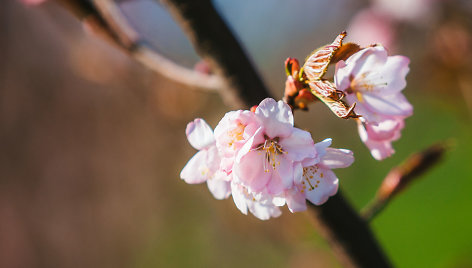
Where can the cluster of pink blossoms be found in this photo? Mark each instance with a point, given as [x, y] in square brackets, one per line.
[263, 161]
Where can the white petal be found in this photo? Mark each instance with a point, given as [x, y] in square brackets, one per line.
[337, 158]
[196, 170]
[322, 145]
[238, 197]
[276, 118]
[219, 186]
[297, 173]
[264, 212]
[199, 134]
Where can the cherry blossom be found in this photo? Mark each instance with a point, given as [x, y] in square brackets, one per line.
[231, 134]
[271, 158]
[263, 161]
[374, 81]
[318, 181]
[204, 165]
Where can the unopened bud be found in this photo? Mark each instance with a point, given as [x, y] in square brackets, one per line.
[292, 67]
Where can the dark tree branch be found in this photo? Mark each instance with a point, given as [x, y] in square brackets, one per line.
[215, 43]
[350, 235]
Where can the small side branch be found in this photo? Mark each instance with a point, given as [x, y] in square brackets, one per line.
[103, 18]
[399, 178]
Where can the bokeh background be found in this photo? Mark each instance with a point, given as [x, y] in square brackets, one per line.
[92, 143]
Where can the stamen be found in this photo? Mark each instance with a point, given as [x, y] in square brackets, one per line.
[272, 149]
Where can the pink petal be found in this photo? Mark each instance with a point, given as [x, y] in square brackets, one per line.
[276, 117]
[199, 134]
[296, 200]
[395, 70]
[386, 129]
[379, 149]
[337, 158]
[342, 76]
[327, 186]
[299, 145]
[282, 176]
[320, 148]
[256, 139]
[250, 171]
[395, 104]
[364, 61]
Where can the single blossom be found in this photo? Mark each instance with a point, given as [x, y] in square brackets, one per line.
[318, 182]
[374, 81]
[204, 165]
[231, 134]
[271, 159]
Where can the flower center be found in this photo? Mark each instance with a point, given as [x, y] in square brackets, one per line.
[364, 82]
[272, 149]
[311, 178]
[236, 134]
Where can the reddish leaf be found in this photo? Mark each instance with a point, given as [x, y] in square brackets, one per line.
[317, 64]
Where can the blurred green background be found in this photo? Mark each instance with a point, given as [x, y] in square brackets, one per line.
[92, 143]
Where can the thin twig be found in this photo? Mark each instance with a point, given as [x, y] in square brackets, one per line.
[402, 176]
[105, 19]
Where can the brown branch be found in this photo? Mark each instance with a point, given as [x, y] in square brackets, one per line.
[104, 19]
[214, 42]
[402, 176]
[350, 235]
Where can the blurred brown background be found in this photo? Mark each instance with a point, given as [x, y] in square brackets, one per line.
[92, 144]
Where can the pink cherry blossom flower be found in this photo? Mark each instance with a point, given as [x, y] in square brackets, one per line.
[374, 81]
[204, 165]
[318, 181]
[271, 159]
[231, 134]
